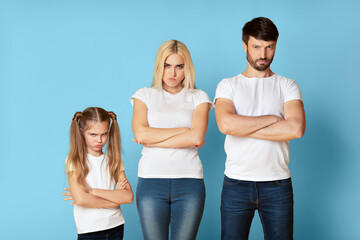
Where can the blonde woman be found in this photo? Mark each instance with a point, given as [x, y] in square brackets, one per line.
[98, 184]
[170, 120]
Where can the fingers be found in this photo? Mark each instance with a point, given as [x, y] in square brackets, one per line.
[68, 193]
[122, 184]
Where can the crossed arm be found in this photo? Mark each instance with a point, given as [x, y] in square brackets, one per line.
[267, 127]
[99, 198]
[182, 137]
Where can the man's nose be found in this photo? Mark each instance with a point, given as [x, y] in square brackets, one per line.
[263, 53]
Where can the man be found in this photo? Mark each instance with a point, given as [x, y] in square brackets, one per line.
[259, 111]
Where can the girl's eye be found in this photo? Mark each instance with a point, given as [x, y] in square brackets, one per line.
[93, 134]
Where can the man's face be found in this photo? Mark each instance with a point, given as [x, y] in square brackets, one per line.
[259, 53]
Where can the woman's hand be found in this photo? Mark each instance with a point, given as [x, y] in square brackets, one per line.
[121, 184]
[68, 193]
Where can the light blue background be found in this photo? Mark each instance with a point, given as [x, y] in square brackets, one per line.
[58, 57]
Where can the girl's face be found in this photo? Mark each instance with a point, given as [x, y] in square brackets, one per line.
[96, 136]
[173, 74]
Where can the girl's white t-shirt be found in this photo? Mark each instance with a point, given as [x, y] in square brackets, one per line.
[167, 110]
[253, 159]
[97, 219]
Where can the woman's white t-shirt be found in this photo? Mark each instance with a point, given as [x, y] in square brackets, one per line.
[167, 110]
[97, 219]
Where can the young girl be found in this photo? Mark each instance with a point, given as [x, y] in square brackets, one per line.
[98, 184]
[170, 120]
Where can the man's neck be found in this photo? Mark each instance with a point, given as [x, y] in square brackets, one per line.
[253, 73]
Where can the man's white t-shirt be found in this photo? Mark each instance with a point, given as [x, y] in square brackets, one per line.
[253, 159]
[97, 219]
[167, 110]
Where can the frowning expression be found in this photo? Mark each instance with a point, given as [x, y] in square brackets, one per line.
[259, 53]
[96, 137]
[174, 73]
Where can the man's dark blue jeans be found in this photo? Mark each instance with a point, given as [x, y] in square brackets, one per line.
[272, 199]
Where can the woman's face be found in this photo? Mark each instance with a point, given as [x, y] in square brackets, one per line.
[173, 74]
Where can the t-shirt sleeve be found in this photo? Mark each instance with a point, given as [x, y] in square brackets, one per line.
[122, 166]
[292, 91]
[224, 90]
[141, 94]
[70, 166]
[201, 97]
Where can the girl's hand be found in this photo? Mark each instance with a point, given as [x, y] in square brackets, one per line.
[68, 193]
[121, 184]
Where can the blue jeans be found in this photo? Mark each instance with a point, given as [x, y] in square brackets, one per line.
[115, 233]
[273, 200]
[175, 202]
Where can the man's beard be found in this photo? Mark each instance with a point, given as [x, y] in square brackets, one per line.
[261, 67]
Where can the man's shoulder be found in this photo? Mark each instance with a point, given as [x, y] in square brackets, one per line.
[282, 78]
[231, 80]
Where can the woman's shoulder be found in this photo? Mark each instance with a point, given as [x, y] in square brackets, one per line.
[147, 90]
[197, 92]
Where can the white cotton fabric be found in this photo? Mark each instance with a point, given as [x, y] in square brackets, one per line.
[253, 159]
[167, 110]
[97, 219]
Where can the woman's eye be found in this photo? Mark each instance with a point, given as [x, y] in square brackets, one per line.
[180, 66]
[166, 65]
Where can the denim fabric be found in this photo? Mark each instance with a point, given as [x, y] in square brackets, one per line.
[175, 202]
[115, 233]
[273, 200]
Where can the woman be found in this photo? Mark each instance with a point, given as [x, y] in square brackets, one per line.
[170, 120]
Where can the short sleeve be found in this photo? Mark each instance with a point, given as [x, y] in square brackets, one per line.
[122, 166]
[70, 166]
[201, 97]
[141, 94]
[225, 89]
[292, 91]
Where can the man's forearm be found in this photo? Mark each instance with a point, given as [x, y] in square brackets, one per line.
[238, 125]
[280, 131]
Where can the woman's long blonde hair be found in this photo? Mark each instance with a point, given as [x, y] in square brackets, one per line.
[166, 49]
[77, 159]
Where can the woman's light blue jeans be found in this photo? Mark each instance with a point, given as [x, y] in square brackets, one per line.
[170, 201]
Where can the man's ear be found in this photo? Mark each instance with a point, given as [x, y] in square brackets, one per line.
[245, 46]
